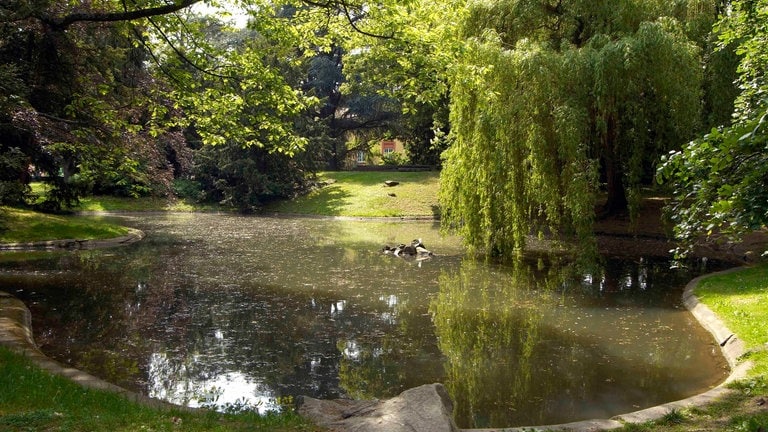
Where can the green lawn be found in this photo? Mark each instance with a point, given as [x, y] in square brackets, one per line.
[741, 300]
[34, 400]
[21, 226]
[102, 203]
[364, 194]
[105, 203]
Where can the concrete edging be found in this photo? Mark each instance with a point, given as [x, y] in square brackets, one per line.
[133, 236]
[16, 323]
[16, 334]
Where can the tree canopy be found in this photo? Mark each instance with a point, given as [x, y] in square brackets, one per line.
[110, 96]
[537, 109]
[78, 103]
[720, 180]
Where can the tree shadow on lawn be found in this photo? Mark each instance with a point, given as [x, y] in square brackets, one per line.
[330, 200]
[436, 212]
[369, 178]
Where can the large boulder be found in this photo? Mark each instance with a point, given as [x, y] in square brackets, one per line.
[427, 408]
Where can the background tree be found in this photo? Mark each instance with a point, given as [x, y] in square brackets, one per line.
[241, 104]
[573, 95]
[85, 109]
[720, 180]
[344, 112]
[407, 63]
[79, 104]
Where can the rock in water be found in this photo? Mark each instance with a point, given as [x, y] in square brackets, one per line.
[427, 408]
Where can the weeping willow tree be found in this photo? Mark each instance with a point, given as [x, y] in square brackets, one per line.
[554, 104]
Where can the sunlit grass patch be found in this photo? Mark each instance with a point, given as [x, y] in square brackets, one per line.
[741, 300]
[364, 194]
[102, 203]
[21, 226]
[106, 203]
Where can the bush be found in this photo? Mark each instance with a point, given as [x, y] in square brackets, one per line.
[13, 168]
[188, 189]
[394, 159]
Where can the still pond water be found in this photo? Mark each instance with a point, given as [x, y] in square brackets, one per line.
[231, 310]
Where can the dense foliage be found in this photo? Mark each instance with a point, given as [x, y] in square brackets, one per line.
[78, 106]
[578, 100]
[123, 98]
[408, 63]
[538, 108]
[720, 181]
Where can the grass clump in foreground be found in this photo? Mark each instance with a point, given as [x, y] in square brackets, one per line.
[364, 194]
[739, 299]
[22, 226]
[34, 400]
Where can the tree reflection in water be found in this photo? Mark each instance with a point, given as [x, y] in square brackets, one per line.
[535, 345]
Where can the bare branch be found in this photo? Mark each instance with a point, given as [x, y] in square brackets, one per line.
[363, 32]
[344, 7]
[67, 20]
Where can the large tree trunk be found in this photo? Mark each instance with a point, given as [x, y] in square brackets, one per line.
[616, 200]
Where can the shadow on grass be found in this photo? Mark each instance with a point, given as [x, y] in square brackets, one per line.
[436, 212]
[330, 200]
[369, 178]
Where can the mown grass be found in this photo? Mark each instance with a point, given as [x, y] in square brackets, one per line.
[364, 194]
[21, 226]
[103, 203]
[740, 300]
[34, 400]
[349, 193]
[106, 203]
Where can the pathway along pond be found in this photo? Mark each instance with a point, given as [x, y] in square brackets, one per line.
[254, 309]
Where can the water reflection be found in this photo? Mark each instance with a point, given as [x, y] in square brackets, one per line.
[565, 348]
[247, 310]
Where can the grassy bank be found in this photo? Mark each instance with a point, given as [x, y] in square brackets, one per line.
[21, 226]
[739, 299]
[34, 400]
[347, 193]
[364, 194]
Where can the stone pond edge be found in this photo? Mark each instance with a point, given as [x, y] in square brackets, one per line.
[16, 334]
[132, 236]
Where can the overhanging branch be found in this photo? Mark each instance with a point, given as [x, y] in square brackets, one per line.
[67, 20]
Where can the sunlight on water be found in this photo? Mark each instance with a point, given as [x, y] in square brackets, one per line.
[228, 389]
[239, 311]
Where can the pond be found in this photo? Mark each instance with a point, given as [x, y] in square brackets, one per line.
[231, 311]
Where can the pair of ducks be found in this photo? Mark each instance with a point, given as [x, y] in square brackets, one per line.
[416, 248]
